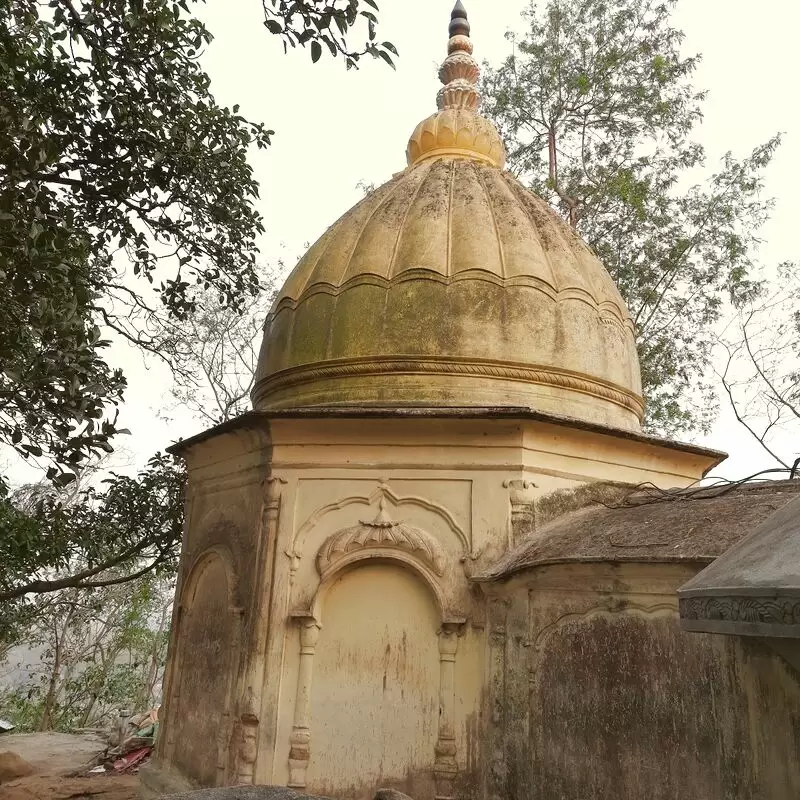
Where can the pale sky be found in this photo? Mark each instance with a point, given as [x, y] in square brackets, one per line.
[335, 128]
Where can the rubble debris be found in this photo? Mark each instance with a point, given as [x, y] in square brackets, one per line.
[245, 793]
[132, 759]
[129, 744]
[13, 766]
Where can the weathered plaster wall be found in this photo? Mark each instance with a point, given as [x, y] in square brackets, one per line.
[326, 572]
[598, 693]
[219, 620]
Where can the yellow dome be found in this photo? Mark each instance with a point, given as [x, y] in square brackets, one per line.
[452, 285]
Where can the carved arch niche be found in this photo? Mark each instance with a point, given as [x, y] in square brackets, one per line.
[387, 606]
[209, 626]
[406, 527]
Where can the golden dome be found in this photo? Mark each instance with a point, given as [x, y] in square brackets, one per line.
[452, 285]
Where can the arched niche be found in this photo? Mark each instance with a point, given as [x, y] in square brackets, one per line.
[385, 539]
[204, 667]
[380, 583]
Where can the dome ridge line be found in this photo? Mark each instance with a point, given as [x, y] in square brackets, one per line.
[497, 236]
[383, 201]
[577, 293]
[449, 260]
[450, 365]
[401, 229]
[323, 242]
[512, 187]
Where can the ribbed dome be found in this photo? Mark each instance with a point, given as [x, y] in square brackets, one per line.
[452, 285]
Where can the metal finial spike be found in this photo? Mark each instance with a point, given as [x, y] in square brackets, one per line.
[459, 25]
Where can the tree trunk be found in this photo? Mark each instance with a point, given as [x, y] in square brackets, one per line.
[571, 203]
[55, 676]
[552, 170]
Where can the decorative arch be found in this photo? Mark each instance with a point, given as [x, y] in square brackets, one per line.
[384, 539]
[381, 534]
[208, 631]
[382, 493]
[198, 566]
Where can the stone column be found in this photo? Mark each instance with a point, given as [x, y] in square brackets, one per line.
[446, 766]
[248, 742]
[496, 773]
[300, 738]
[254, 677]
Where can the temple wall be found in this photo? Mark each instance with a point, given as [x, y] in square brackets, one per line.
[600, 694]
[350, 601]
[218, 619]
[327, 634]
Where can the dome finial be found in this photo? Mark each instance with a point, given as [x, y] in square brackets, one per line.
[459, 24]
[459, 72]
[456, 129]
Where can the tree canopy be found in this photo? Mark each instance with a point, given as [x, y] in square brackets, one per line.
[598, 110]
[124, 187]
[92, 537]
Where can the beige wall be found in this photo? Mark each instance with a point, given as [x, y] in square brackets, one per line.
[323, 615]
[602, 695]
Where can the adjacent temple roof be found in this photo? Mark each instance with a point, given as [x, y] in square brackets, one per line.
[753, 588]
[452, 285]
[679, 526]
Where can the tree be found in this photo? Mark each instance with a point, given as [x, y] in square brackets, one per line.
[327, 22]
[123, 185]
[216, 350]
[760, 367]
[100, 537]
[99, 649]
[597, 107]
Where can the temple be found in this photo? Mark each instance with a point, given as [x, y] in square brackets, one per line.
[395, 571]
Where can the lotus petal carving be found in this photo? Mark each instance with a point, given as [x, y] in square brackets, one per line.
[381, 534]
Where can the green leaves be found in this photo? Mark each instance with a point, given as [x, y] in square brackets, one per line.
[597, 109]
[51, 539]
[329, 23]
[123, 185]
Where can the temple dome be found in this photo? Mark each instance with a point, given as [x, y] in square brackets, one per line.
[452, 286]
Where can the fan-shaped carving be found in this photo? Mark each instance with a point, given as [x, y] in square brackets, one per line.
[381, 534]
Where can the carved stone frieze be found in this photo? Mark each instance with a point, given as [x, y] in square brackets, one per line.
[766, 610]
[380, 534]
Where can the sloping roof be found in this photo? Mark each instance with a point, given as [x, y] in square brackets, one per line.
[754, 587]
[686, 528]
[254, 419]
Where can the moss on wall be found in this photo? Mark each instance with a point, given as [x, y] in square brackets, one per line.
[607, 698]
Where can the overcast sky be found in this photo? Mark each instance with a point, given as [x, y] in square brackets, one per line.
[336, 128]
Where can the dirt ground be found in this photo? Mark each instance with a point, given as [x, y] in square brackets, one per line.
[54, 756]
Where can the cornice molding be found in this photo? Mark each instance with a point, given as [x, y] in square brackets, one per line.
[742, 614]
[412, 365]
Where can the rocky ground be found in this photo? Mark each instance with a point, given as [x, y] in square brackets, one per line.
[53, 758]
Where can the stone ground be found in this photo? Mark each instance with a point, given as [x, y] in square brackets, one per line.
[54, 756]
